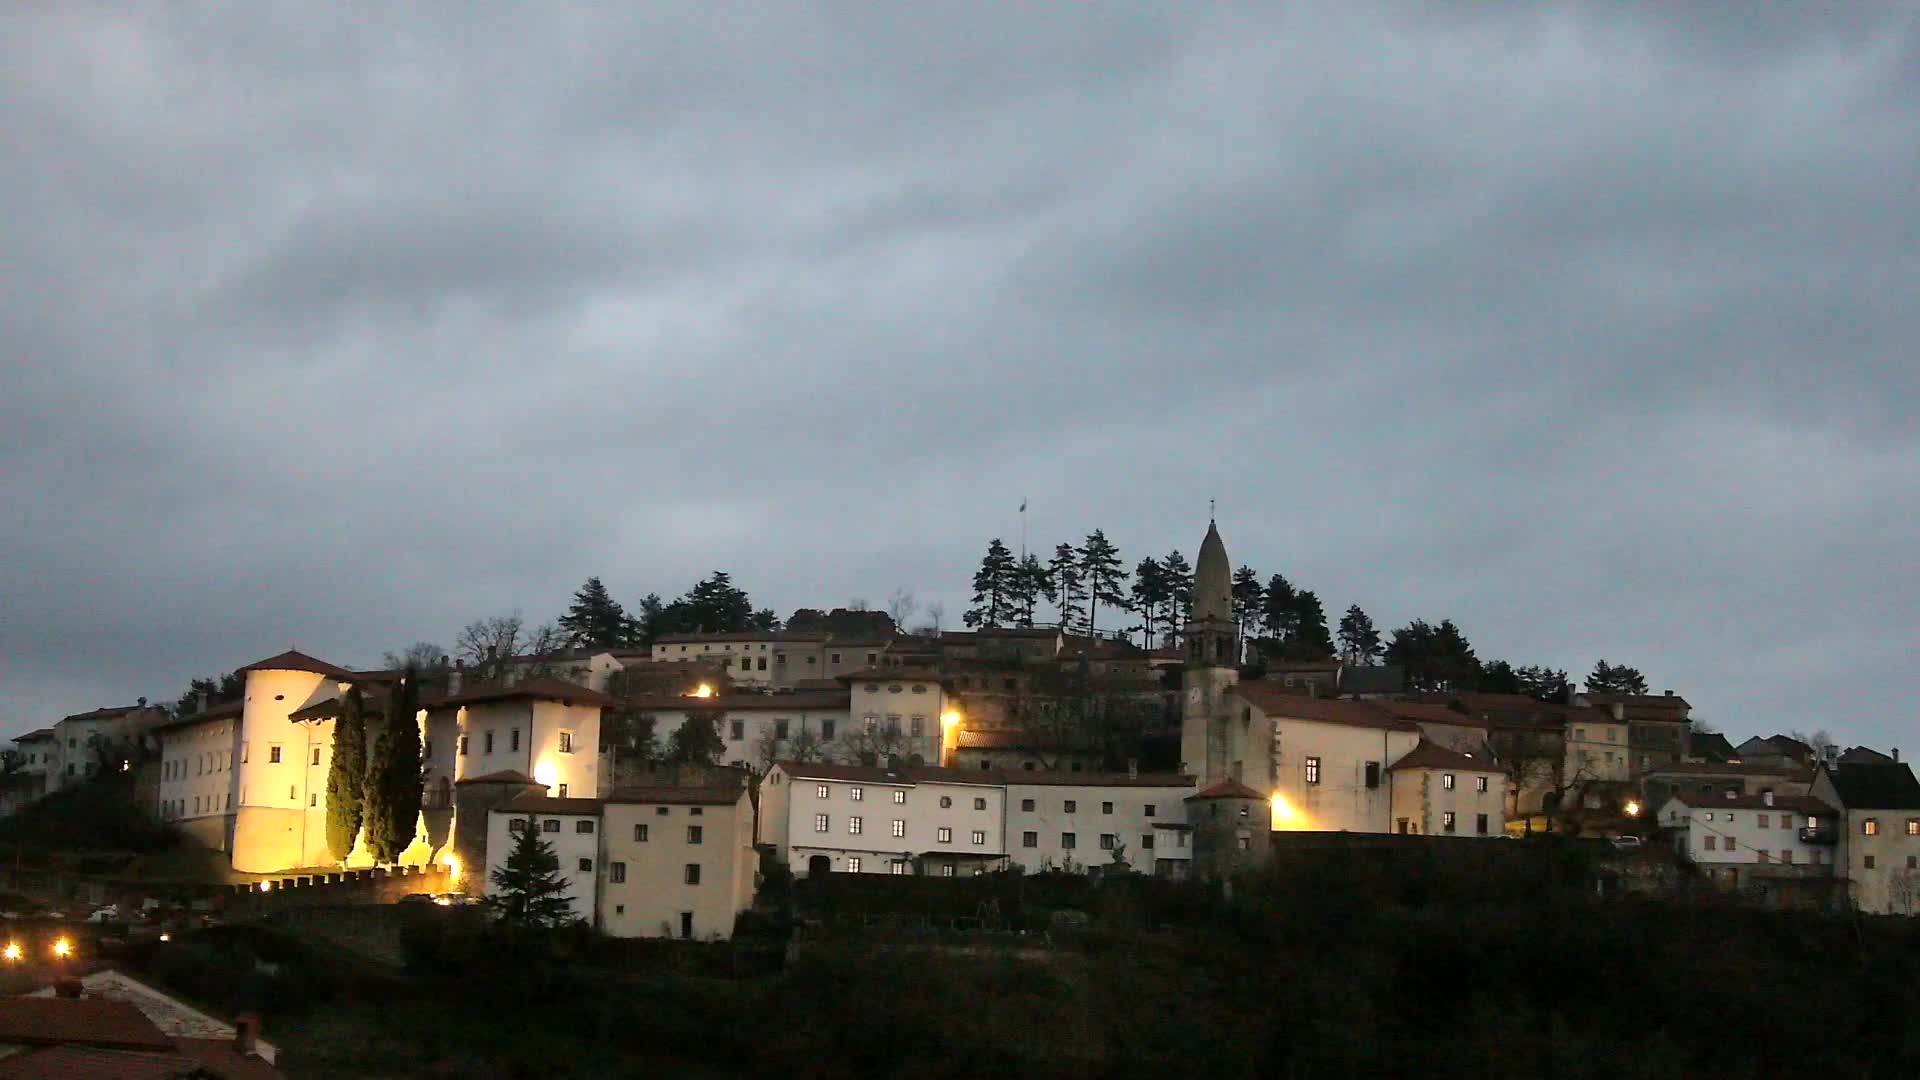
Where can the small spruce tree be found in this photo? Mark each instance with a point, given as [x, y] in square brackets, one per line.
[528, 890]
[347, 776]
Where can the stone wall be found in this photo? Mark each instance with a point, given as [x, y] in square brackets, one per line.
[345, 888]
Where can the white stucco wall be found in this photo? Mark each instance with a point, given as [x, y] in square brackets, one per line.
[971, 809]
[655, 894]
[1340, 800]
[1423, 800]
[569, 845]
[1098, 810]
[197, 770]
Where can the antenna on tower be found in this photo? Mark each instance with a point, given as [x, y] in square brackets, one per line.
[1209, 511]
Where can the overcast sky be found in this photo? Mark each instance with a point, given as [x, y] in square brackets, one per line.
[1592, 329]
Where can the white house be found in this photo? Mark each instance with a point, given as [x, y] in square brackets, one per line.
[1077, 821]
[198, 756]
[1323, 761]
[544, 727]
[83, 740]
[676, 861]
[757, 728]
[1877, 843]
[570, 826]
[907, 707]
[1741, 839]
[1439, 791]
[824, 818]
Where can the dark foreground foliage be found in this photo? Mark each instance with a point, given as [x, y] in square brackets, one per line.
[1341, 963]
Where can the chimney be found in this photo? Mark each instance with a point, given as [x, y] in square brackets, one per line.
[1768, 796]
[141, 702]
[1669, 693]
[71, 989]
[1896, 755]
[1619, 711]
[205, 700]
[1732, 794]
[246, 1031]
[453, 681]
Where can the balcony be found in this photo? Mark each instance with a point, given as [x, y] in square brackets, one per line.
[1819, 835]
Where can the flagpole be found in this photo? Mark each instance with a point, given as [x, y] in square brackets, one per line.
[1023, 528]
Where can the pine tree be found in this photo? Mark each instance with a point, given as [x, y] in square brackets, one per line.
[1179, 590]
[1544, 683]
[347, 776]
[1063, 581]
[1151, 595]
[1615, 679]
[1359, 641]
[650, 623]
[1280, 617]
[1435, 657]
[993, 587]
[1310, 638]
[1247, 600]
[393, 776]
[528, 889]
[1030, 585]
[596, 618]
[1104, 574]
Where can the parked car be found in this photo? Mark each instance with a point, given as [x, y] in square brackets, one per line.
[1626, 843]
[107, 914]
[416, 898]
[455, 900]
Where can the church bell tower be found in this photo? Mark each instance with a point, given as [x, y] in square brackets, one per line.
[1208, 747]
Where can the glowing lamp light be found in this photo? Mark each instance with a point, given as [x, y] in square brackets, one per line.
[544, 773]
[1633, 808]
[266, 886]
[1283, 811]
[452, 863]
[166, 937]
[950, 718]
[13, 951]
[63, 948]
[702, 691]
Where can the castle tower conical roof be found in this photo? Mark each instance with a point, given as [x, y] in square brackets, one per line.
[1213, 580]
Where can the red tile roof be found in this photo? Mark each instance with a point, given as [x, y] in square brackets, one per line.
[1083, 779]
[1423, 712]
[677, 796]
[1805, 804]
[35, 736]
[1227, 789]
[73, 1062]
[778, 701]
[1431, 755]
[294, 660]
[1640, 701]
[505, 776]
[535, 803]
[108, 713]
[44, 1021]
[219, 1057]
[1275, 702]
[874, 774]
[1008, 739]
[743, 635]
[540, 688]
[896, 674]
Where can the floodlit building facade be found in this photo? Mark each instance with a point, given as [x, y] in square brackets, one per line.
[824, 818]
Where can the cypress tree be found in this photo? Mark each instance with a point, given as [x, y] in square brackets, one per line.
[393, 776]
[347, 776]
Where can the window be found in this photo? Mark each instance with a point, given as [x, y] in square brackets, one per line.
[893, 724]
[563, 791]
[316, 755]
[1711, 841]
[897, 866]
[1072, 806]
[517, 825]
[979, 837]
[979, 804]
[1244, 843]
[513, 738]
[617, 873]
[662, 811]
[826, 730]
[947, 870]
[1446, 821]
[899, 827]
[313, 799]
[1480, 824]
[1373, 774]
[566, 742]
[273, 755]
[696, 832]
[737, 730]
[1149, 810]
[857, 794]
[945, 835]
[853, 826]
[1106, 808]
[1313, 770]
[1869, 862]
[487, 742]
[853, 864]
[1913, 862]
[640, 833]
[899, 798]
[583, 826]
[1029, 839]
[1107, 841]
[243, 753]
[918, 726]
[692, 876]
[463, 746]
[746, 663]
[1480, 783]
[780, 729]
[1786, 855]
[1146, 842]
[1913, 826]
[1870, 827]
[820, 823]
[1026, 805]
[1764, 822]
[1067, 840]
[821, 792]
[586, 864]
[1786, 821]
[946, 802]
[763, 663]
[1446, 781]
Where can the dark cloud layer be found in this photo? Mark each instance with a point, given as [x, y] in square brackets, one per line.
[1588, 327]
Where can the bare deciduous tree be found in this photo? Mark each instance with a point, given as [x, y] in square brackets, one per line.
[421, 656]
[901, 606]
[485, 644]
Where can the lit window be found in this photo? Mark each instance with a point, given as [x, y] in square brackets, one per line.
[821, 792]
[820, 823]
[945, 835]
[947, 870]
[1313, 770]
[853, 826]
[897, 866]
[1870, 827]
[899, 827]
[899, 798]
[1479, 783]
[1446, 781]
[979, 837]
[853, 864]
[1913, 826]
[640, 833]
[1446, 821]
[857, 794]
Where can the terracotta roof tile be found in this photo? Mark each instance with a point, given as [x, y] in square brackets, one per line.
[536, 803]
[535, 689]
[294, 660]
[677, 796]
[84, 1021]
[505, 776]
[1082, 779]
[1227, 789]
[1277, 703]
[1431, 755]
[1805, 804]
[874, 774]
